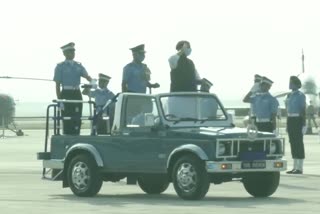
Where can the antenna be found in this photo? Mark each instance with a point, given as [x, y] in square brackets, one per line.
[24, 78]
[302, 58]
[302, 61]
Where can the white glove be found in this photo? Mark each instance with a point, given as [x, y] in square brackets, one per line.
[94, 83]
[304, 130]
[255, 88]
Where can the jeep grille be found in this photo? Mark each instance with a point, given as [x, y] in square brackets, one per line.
[271, 147]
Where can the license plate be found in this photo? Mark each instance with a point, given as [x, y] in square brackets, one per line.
[253, 165]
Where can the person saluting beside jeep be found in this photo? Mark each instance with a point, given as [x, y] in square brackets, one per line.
[265, 106]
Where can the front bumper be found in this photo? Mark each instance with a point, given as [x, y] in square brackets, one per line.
[242, 166]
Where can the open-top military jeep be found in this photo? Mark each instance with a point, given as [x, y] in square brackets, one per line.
[184, 138]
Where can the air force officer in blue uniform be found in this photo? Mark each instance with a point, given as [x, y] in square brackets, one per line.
[265, 106]
[101, 96]
[67, 76]
[296, 121]
[136, 75]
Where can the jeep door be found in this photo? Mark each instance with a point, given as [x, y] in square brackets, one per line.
[141, 149]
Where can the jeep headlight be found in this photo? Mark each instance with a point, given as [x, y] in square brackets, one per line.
[222, 149]
[273, 147]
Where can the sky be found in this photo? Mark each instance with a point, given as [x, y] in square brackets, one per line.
[231, 41]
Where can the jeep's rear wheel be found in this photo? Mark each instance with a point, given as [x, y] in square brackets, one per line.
[83, 176]
[261, 184]
[190, 178]
[153, 184]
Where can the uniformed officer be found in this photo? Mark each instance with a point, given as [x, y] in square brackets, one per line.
[67, 76]
[265, 107]
[296, 121]
[183, 75]
[136, 75]
[101, 96]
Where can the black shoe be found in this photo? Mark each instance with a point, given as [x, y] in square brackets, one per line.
[297, 171]
[291, 171]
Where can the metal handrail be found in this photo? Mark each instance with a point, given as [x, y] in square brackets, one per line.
[57, 117]
[72, 101]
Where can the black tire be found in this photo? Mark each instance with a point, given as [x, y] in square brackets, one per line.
[190, 178]
[261, 184]
[153, 184]
[83, 176]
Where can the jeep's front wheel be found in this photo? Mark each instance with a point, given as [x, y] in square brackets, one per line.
[261, 184]
[153, 184]
[190, 179]
[83, 176]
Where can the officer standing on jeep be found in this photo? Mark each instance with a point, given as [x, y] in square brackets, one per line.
[101, 96]
[136, 75]
[67, 76]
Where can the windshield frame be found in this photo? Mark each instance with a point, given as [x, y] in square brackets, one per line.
[198, 121]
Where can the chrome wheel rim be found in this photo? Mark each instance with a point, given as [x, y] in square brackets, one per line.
[80, 176]
[187, 177]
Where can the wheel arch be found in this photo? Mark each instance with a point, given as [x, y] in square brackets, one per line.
[77, 149]
[185, 150]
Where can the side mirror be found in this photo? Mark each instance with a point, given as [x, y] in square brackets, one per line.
[149, 119]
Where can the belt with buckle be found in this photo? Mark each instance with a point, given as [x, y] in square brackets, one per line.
[67, 87]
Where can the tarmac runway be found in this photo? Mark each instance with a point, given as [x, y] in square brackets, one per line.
[23, 191]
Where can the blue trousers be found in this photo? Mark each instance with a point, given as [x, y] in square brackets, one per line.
[294, 126]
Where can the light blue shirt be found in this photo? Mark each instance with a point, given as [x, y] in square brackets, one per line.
[264, 105]
[135, 77]
[69, 72]
[296, 102]
[101, 96]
